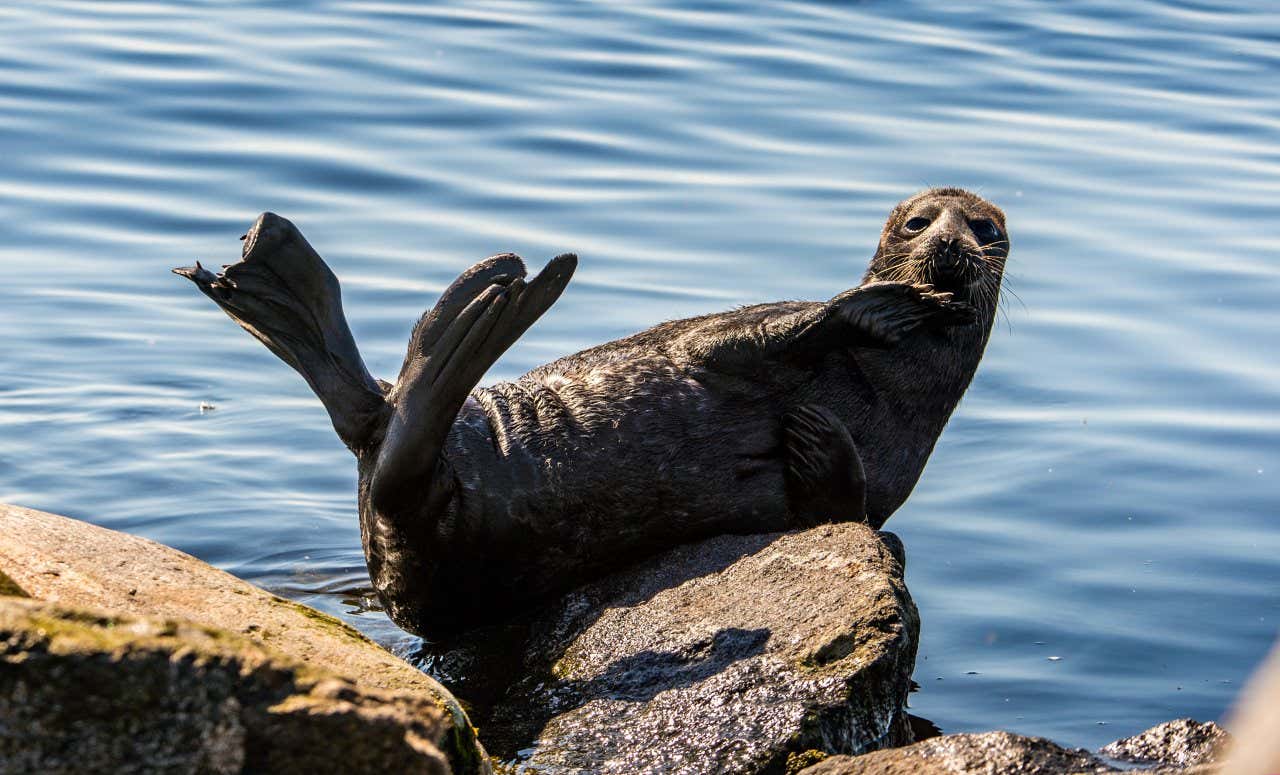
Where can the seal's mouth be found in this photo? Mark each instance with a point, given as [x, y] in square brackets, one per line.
[954, 266]
[951, 277]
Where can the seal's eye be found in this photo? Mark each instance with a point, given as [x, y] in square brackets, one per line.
[915, 225]
[986, 231]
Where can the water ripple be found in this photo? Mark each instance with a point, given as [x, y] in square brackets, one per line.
[1106, 491]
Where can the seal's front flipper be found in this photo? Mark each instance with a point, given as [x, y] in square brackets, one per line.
[880, 315]
[481, 315]
[824, 475]
[282, 292]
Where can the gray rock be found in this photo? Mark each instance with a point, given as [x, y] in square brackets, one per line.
[76, 564]
[1181, 742]
[82, 691]
[725, 656]
[988, 753]
[1183, 746]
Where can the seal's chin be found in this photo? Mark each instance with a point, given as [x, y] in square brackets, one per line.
[959, 287]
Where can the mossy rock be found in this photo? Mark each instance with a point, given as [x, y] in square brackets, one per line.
[139, 694]
[10, 588]
[74, 563]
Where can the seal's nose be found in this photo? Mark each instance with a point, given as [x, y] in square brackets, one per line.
[950, 253]
[950, 263]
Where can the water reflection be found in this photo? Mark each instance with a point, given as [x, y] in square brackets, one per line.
[1105, 492]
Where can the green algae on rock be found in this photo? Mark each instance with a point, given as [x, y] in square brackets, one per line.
[73, 563]
[10, 588]
[86, 690]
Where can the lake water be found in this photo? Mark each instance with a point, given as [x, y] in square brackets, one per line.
[1094, 545]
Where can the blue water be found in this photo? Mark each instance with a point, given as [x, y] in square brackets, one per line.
[1105, 494]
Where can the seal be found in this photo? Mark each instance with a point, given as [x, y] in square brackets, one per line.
[477, 502]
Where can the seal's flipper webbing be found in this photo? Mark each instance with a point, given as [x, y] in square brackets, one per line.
[879, 315]
[496, 270]
[283, 293]
[824, 475]
[481, 315]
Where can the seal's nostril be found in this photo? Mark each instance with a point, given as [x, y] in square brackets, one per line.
[948, 253]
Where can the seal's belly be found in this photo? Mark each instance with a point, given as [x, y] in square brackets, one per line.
[614, 464]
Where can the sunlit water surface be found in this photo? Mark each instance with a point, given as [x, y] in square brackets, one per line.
[1093, 546]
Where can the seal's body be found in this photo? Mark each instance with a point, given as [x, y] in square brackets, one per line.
[476, 502]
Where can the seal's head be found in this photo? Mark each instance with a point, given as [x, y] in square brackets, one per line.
[948, 238]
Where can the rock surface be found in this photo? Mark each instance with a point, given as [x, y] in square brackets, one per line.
[989, 753]
[87, 692]
[73, 563]
[720, 657]
[1180, 742]
[1182, 746]
[10, 588]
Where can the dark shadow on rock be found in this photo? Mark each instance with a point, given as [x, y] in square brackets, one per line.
[922, 728]
[708, 557]
[639, 677]
[724, 656]
[479, 666]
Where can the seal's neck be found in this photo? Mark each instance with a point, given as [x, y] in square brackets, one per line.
[925, 376]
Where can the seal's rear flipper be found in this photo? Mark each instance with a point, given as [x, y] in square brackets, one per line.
[824, 475]
[481, 315]
[284, 294]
